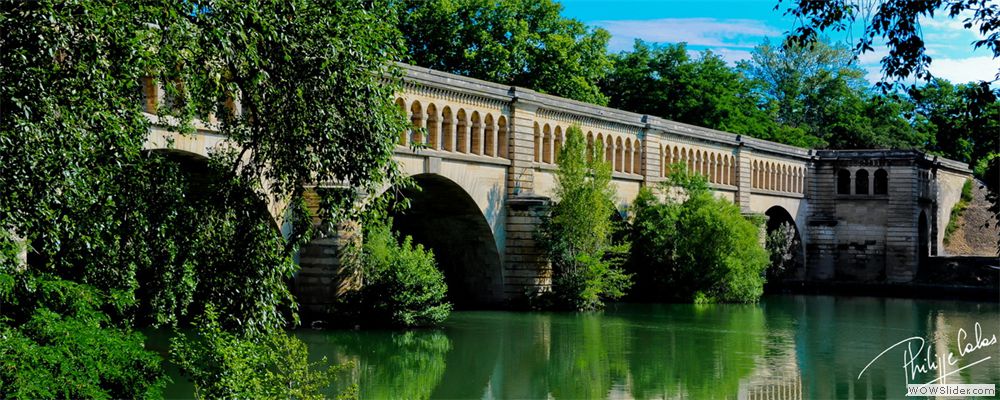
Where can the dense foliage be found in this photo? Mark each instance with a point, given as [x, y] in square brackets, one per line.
[517, 42]
[56, 343]
[260, 366]
[301, 89]
[694, 247]
[402, 283]
[663, 80]
[577, 236]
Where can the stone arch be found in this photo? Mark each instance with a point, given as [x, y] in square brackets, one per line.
[618, 154]
[609, 151]
[489, 136]
[732, 170]
[547, 144]
[776, 216]
[637, 156]
[665, 151]
[881, 182]
[447, 129]
[784, 178]
[462, 133]
[445, 218]
[627, 163]
[843, 181]
[433, 124]
[503, 144]
[861, 181]
[755, 176]
[476, 135]
[417, 122]
[690, 161]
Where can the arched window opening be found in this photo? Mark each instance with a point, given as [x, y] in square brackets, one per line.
[843, 182]
[609, 151]
[417, 122]
[618, 154]
[447, 130]
[637, 156]
[477, 134]
[490, 136]
[433, 125]
[627, 164]
[861, 182]
[463, 132]
[502, 144]
[881, 182]
[538, 143]
[547, 144]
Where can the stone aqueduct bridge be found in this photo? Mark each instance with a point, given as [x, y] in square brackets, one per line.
[487, 160]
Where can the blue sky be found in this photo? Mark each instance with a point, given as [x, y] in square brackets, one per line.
[732, 28]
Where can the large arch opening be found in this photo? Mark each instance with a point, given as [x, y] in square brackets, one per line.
[443, 217]
[785, 245]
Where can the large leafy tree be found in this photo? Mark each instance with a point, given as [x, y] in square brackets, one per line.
[663, 80]
[517, 42]
[820, 91]
[151, 240]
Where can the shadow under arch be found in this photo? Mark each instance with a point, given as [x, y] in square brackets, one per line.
[444, 217]
[777, 215]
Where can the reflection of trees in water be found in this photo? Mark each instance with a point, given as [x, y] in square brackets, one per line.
[700, 352]
[390, 365]
[659, 351]
[587, 357]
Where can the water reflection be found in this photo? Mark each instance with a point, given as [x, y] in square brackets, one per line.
[784, 347]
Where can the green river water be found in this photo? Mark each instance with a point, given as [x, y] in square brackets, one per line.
[809, 347]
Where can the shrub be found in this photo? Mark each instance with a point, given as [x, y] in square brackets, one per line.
[262, 365]
[695, 247]
[402, 284]
[577, 236]
[781, 245]
[54, 342]
[957, 210]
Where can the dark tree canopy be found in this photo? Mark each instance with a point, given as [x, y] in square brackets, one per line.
[525, 43]
[897, 24]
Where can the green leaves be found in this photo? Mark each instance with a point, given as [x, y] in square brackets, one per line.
[402, 283]
[525, 43]
[577, 236]
[694, 247]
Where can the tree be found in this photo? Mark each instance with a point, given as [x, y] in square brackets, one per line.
[695, 247]
[897, 23]
[577, 236]
[516, 42]
[663, 80]
[819, 91]
[314, 83]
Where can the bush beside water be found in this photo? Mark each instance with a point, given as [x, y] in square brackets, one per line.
[694, 247]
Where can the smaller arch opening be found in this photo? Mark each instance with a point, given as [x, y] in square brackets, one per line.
[861, 182]
[843, 182]
[881, 182]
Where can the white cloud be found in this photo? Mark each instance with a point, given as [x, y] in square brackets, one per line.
[707, 32]
[965, 69]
